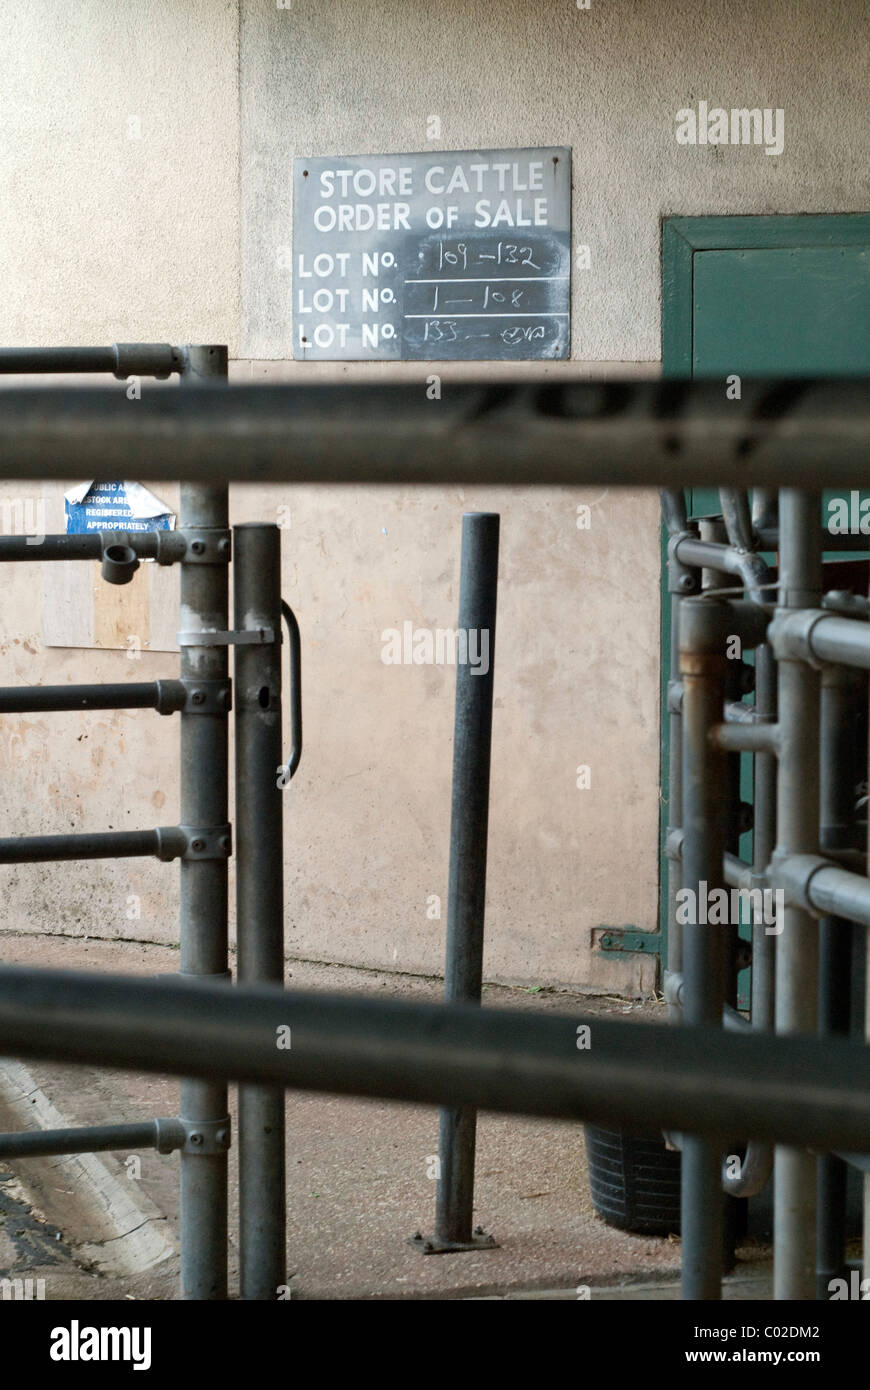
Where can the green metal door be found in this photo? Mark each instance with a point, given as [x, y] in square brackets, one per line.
[760, 296]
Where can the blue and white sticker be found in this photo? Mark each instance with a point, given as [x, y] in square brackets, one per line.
[124, 506]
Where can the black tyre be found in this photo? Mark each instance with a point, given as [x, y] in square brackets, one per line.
[635, 1182]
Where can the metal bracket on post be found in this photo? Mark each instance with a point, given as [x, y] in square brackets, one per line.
[210, 842]
[206, 1136]
[159, 360]
[194, 697]
[204, 545]
[193, 842]
[434, 1245]
[681, 578]
[170, 1134]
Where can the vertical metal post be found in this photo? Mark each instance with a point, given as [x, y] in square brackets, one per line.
[866, 1185]
[259, 894]
[800, 586]
[840, 694]
[712, 528]
[681, 581]
[703, 674]
[763, 843]
[757, 1165]
[675, 797]
[861, 962]
[469, 818]
[734, 1209]
[204, 881]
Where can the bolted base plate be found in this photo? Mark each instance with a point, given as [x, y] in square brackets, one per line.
[433, 1245]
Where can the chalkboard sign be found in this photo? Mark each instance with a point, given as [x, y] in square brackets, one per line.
[450, 255]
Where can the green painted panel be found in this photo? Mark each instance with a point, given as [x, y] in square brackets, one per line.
[801, 229]
[802, 311]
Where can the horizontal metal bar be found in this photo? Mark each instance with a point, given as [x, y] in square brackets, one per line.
[746, 738]
[57, 359]
[164, 1135]
[677, 1078]
[735, 712]
[837, 892]
[616, 433]
[121, 359]
[844, 602]
[811, 634]
[813, 883]
[738, 713]
[35, 699]
[165, 843]
[843, 640]
[737, 873]
[689, 550]
[148, 545]
[243, 637]
[768, 539]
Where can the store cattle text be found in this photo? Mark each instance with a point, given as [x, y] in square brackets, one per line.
[436, 256]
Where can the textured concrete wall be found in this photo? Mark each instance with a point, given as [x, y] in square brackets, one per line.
[119, 171]
[118, 222]
[103, 237]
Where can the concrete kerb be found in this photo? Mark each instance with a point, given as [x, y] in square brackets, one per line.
[112, 1224]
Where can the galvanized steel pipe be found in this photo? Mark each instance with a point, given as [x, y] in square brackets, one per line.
[469, 822]
[615, 433]
[259, 895]
[703, 674]
[805, 1091]
[204, 775]
[797, 833]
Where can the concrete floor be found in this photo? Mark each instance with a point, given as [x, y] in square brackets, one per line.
[357, 1178]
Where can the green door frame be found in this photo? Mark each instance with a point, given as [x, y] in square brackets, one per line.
[681, 238]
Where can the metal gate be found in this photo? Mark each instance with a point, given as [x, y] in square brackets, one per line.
[806, 1094]
[204, 549]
